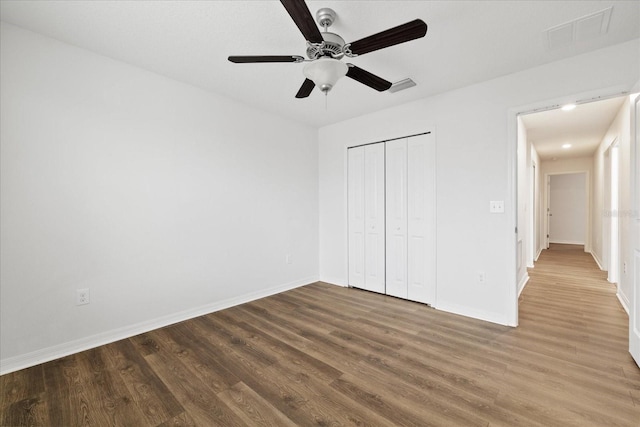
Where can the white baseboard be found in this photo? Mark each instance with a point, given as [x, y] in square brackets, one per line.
[538, 254]
[597, 260]
[624, 301]
[33, 358]
[522, 284]
[567, 242]
[473, 313]
[335, 281]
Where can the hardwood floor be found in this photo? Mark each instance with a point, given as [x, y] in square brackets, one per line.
[325, 355]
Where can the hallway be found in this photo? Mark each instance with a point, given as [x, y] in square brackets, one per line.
[580, 331]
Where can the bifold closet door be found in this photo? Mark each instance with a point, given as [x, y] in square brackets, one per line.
[396, 211]
[421, 218]
[366, 217]
[410, 210]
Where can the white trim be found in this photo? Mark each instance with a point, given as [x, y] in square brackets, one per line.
[567, 242]
[492, 317]
[624, 302]
[538, 254]
[597, 260]
[335, 282]
[33, 358]
[523, 283]
[511, 211]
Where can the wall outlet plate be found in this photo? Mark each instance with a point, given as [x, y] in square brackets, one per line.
[496, 206]
[82, 296]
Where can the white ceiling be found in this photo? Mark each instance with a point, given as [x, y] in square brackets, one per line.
[583, 127]
[467, 42]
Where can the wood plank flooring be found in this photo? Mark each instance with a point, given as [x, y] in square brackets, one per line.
[325, 355]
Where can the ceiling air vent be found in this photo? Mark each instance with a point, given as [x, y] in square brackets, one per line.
[401, 85]
[583, 28]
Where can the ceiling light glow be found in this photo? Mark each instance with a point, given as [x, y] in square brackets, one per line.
[565, 146]
[568, 107]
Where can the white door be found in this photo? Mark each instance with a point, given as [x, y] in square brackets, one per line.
[366, 217]
[567, 215]
[355, 196]
[396, 174]
[634, 315]
[421, 214]
[374, 222]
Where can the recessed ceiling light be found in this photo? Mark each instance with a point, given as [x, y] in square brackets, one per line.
[565, 146]
[568, 107]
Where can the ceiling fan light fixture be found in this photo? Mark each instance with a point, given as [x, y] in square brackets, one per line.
[325, 72]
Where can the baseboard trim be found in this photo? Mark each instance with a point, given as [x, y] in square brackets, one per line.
[597, 260]
[473, 313]
[48, 354]
[567, 242]
[522, 284]
[334, 281]
[538, 254]
[624, 301]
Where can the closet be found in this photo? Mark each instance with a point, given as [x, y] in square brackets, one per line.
[391, 217]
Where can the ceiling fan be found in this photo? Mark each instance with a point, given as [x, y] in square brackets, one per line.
[325, 50]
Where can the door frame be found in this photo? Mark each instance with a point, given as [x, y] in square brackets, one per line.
[587, 231]
[512, 177]
[634, 306]
[613, 232]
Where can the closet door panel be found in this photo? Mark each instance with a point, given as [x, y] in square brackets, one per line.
[396, 215]
[374, 238]
[355, 196]
[421, 224]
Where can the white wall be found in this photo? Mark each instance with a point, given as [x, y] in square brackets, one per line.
[568, 204]
[620, 131]
[165, 200]
[568, 165]
[475, 157]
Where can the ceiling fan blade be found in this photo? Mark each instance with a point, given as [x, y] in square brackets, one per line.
[301, 15]
[305, 89]
[366, 78]
[393, 36]
[265, 58]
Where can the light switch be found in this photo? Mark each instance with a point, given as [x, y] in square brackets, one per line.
[496, 206]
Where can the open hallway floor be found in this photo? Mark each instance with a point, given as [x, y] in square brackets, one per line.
[326, 355]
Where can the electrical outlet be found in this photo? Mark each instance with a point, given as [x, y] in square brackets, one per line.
[496, 206]
[287, 258]
[82, 296]
[481, 277]
[624, 268]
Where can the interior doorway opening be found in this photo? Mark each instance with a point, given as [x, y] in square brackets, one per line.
[568, 208]
[557, 145]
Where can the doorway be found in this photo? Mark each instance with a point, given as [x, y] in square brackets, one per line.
[567, 208]
[562, 150]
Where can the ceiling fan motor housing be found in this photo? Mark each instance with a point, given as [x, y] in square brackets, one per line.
[332, 46]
